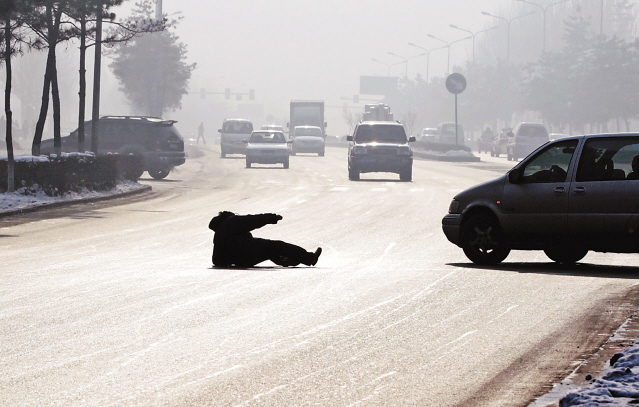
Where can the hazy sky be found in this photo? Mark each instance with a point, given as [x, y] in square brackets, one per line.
[303, 49]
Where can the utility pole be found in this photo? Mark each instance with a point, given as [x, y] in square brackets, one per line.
[158, 10]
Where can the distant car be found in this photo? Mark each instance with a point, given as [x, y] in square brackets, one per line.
[446, 134]
[568, 197]
[157, 142]
[499, 144]
[267, 147]
[380, 147]
[527, 137]
[232, 136]
[428, 134]
[308, 139]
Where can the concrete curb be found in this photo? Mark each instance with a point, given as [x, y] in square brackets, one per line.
[50, 205]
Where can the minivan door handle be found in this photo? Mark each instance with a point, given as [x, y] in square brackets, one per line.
[580, 190]
[559, 191]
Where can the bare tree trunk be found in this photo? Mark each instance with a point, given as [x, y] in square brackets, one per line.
[7, 105]
[95, 114]
[44, 107]
[83, 83]
[55, 90]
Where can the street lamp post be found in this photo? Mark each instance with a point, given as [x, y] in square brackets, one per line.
[427, 53]
[543, 10]
[387, 65]
[473, 35]
[404, 58]
[448, 44]
[508, 21]
[407, 59]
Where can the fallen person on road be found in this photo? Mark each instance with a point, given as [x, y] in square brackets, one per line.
[233, 244]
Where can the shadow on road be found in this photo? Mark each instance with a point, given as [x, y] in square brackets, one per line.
[579, 269]
[262, 268]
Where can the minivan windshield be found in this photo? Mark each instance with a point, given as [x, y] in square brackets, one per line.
[380, 133]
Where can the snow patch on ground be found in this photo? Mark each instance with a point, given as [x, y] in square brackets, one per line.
[617, 386]
[29, 197]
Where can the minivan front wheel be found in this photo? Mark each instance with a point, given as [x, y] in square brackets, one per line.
[565, 254]
[482, 240]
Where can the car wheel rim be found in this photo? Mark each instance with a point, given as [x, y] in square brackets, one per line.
[483, 239]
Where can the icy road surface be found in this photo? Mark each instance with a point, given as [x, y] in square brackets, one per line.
[118, 304]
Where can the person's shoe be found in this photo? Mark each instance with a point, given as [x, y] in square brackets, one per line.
[316, 256]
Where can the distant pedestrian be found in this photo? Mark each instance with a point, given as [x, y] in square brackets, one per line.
[233, 244]
[200, 134]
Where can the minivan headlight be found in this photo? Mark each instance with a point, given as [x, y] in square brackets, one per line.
[454, 206]
[405, 150]
[359, 150]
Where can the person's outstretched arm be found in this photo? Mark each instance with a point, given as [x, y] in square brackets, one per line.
[246, 223]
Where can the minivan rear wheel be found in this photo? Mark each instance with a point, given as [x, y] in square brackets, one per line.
[565, 254]
[482, 240]
[159, 174]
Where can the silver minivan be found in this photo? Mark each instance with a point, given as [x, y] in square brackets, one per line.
[233, 134]
[526, 138]
[570, 196]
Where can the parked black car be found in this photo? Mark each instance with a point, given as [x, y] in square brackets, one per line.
[568, 197]
[156, 142]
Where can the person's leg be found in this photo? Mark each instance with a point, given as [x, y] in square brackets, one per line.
[287, 254]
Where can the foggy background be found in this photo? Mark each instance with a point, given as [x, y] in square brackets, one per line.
[303, 49]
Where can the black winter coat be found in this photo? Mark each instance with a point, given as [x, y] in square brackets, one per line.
[233, 244]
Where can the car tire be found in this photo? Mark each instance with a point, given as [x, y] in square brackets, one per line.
[223, 154]
[353, 174]
[133, 163]
[248, 164]
[492, 153]
[406, 175]
[159, 174]
[321, 153]
[482, 240]
[565, 254]
[285, 163]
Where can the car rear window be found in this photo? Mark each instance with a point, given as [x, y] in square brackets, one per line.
[238, 127]
[264, 137]
[308, 131]
[533, 132]
[380, 133]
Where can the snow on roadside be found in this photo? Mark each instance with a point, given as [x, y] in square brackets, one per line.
[29, 197]
[618, 385]
[25, 197]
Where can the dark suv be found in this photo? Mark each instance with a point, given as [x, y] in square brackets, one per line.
[380, 147]
[570, 196]
[157, 142]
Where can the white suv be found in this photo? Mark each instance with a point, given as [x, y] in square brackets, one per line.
[380, 147]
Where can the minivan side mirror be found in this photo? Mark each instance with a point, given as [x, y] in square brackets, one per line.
[349, 138]
[515, 176]
[411, 139]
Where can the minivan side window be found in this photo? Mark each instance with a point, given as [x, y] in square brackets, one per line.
[551, 164]
[609, 159]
